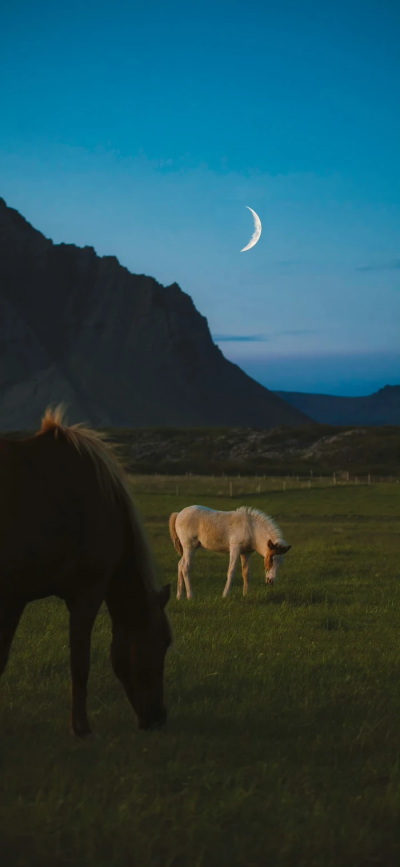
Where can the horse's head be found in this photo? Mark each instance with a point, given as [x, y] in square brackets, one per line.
[148, 665]
[138, 659]
[274, 559]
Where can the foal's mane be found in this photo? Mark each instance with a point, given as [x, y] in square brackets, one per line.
[268, 523]
[112, 479]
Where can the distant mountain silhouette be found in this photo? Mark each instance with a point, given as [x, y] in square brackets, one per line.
[381, 408]
[118, 348]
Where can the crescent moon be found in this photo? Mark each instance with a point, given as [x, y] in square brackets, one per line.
[257, 231]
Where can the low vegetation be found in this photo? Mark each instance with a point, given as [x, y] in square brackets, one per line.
[314, 449]
[282, 744]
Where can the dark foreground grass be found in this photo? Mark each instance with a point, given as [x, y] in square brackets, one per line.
[282, 745]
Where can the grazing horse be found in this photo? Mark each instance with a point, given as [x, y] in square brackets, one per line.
[68, 528]
[239, 533]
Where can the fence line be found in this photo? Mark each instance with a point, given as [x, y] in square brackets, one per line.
[245, 486]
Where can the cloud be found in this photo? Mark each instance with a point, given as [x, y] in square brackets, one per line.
[260, 338]
[240, 338]
[394, 265]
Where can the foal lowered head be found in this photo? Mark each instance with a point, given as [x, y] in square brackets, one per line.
[274, 559]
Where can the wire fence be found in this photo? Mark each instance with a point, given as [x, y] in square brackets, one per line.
[238, 485]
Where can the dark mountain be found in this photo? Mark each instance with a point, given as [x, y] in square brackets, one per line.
[118, 348]
[381, 408]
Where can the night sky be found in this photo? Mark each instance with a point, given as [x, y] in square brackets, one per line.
[143, 130]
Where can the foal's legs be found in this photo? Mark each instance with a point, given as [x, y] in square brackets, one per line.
[82, 614]
[246, 571]
[187, 560]
[10, 614]
[180, 579]
[233, 561]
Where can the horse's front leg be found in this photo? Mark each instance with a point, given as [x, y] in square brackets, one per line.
[233, 561]
[82, 614]
[246, 571]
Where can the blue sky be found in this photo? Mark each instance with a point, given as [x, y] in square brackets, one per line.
[144, 130]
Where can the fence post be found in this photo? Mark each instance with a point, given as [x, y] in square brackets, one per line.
[334, 478]
[309, 483]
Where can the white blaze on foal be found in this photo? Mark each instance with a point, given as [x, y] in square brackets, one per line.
[238, 533]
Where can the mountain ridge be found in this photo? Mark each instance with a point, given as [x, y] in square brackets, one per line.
[380, 408]
[118, 348]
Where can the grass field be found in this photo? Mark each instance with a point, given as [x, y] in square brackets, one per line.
[283, 740]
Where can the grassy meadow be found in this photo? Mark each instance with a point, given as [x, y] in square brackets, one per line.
[283, 740]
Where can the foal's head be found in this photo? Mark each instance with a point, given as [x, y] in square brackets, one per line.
[274, 559]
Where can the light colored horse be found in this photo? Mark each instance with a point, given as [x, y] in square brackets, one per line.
[238, 533]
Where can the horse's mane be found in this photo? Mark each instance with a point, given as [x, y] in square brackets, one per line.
[109, 468]
[269, 523]
[111, 477]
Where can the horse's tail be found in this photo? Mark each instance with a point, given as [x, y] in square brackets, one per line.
[113, 483]
[174, 535]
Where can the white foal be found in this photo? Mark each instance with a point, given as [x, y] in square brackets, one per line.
[238, 533]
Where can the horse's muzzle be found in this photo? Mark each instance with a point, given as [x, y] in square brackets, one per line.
[270, 581]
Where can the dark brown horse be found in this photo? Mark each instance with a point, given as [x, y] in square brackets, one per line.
[68, 528]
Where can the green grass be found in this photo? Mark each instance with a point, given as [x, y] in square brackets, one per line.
[282, 745]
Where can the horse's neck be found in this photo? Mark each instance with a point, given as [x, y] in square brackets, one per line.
[261, 535]
[130, 604]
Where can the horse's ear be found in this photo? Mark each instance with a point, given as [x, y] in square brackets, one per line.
[285, 548]
[163, 595]
[271, 545]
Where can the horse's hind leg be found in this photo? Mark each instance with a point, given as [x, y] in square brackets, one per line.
[187, 561]
[234, 557]
[82, 614]
[179, 591]
[246, 571]
[10, 615]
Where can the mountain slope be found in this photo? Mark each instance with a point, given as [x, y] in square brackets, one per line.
[381, 408]
[119, 348]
